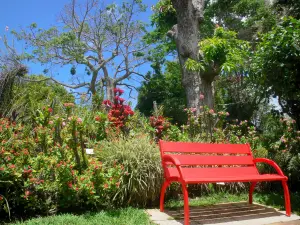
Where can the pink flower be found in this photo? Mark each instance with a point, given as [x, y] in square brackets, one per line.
[50, 122]
[201, 96]
[227, 114]
[193, 109]
[70, 104]
[6, 28]
[27, 193]
[211, 111]
[63, 124]
[79, 120]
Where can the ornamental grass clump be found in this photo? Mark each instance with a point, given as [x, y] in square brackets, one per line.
[141, 182]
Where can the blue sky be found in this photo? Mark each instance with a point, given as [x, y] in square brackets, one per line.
[21, 13]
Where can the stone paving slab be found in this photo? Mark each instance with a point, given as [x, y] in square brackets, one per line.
[240, 213]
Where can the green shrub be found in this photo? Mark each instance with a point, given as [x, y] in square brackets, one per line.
[140, 156]
[42, 174]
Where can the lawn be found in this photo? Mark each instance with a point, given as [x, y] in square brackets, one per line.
[128, 216]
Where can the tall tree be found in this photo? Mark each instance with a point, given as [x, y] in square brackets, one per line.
[244, 17]
[186, 35]
[104, 39]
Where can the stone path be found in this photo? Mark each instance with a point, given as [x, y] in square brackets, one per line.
[240, 213]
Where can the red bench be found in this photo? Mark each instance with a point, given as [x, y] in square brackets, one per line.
[194, 163]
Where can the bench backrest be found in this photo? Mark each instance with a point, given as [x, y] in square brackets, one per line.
[210, 155]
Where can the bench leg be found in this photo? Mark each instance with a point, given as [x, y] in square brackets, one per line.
[252, 186]
[287, 198]
[162, 194]
[186, 204]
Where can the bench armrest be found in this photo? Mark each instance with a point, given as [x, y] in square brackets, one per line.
[174, 161]
[271, 163]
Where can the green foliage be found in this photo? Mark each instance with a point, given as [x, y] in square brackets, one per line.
[288, 8]
[166, 90]
[225, 51]
[140, 156]
[276, 65]
[29, 96]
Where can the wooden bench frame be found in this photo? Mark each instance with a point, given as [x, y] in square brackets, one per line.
[180, 167]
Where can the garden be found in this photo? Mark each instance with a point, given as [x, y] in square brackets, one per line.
[82, 147]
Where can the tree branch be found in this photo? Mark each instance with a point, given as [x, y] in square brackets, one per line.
[58, 82]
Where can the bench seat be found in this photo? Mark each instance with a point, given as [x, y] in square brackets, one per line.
[214, 175]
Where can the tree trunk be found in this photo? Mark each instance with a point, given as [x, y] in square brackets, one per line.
[110, 86]
[186, 35]
[208, 90]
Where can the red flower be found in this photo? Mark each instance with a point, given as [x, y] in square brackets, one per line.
[12, 166]
[1, 198]
[121, 100]
[106, 102]
[118, 184]
[105, 186]
[1, 168]
[118, 91]
[70, 185]
[50, 110]
[32, 180]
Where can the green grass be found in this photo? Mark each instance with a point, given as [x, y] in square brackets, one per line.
[128, 216]
[275, 200]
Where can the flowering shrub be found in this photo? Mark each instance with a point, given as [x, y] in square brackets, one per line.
[118, 111]
[41, 173]
[160, 124]
[286, 149]
[202, 126]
